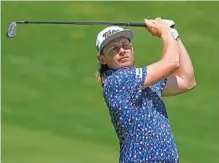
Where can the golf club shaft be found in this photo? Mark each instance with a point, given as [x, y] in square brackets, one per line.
[84, 23]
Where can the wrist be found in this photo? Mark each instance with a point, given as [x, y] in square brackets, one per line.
[175, 34]
[167, 35]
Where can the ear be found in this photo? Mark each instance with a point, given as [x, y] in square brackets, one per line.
[100, 58]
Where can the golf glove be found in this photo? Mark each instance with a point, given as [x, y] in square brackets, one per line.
[175, 33]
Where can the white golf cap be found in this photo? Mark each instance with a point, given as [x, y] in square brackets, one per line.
[110, 33]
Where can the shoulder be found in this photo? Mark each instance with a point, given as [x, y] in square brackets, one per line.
[125, 77]
[115, 78]
[118, 76]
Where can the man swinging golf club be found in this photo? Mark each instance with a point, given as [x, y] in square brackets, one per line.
[134, 95]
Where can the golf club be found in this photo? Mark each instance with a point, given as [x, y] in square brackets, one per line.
[12, 29]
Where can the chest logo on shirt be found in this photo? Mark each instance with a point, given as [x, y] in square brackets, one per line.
[139, 73]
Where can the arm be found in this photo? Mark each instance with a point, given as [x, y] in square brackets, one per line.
[169, 62]
[183, 80]
[166, 66]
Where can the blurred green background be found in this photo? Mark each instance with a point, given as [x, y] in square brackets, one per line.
[52, 106]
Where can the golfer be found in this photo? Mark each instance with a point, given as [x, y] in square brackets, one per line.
[134, 95]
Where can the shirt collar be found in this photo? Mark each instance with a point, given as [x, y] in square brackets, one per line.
[110, 72]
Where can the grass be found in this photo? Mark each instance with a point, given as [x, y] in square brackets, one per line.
[52, 106]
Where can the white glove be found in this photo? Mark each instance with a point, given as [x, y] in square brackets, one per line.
[170, 22]
[175, 33]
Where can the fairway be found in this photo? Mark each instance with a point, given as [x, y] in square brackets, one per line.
[52, 106]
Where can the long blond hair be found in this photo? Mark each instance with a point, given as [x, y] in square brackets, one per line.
[100, 74]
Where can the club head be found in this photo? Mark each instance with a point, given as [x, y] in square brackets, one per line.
[12, 30]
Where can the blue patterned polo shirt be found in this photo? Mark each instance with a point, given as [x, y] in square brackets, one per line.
[139, 117]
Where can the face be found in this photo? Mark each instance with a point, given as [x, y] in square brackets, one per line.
[117, 54]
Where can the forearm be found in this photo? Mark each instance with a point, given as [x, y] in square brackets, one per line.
[183, 80]
[170, 50]
[168, 64]
[186, 70]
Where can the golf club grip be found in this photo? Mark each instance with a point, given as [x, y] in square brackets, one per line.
[142, 25]
[137, 24]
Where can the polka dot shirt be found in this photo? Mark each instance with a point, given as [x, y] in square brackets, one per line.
[139, 117]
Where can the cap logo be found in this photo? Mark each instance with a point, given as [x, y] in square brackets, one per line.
[110, 32]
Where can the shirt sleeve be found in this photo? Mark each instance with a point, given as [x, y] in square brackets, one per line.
[162, 84]
[126, 84]
[159, 86]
